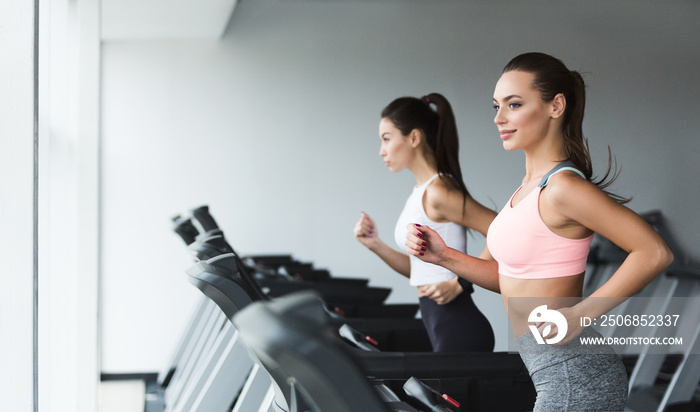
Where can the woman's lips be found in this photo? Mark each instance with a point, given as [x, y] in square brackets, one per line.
[505, 134]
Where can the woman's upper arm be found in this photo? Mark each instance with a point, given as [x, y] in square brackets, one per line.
[586, 204]
[442, 204]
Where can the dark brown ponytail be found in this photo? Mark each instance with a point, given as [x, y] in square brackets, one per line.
[551, 77]
[439, 129]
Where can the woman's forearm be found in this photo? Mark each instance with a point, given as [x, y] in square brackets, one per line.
[637, 271]
[481, 272]
[396, 260]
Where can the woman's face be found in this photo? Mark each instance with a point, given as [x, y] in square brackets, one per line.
[522, 118]
[396, 149]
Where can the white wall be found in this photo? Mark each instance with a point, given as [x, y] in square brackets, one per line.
[275, 127]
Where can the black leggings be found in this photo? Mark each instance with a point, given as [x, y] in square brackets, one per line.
[458, 326]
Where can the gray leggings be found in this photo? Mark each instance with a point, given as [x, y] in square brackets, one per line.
[574, 377]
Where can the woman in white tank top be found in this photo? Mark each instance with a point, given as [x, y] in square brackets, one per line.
[424, 140]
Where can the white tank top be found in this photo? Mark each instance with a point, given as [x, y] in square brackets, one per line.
[454, 235]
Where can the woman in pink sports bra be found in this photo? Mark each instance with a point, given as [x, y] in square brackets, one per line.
[538, 244]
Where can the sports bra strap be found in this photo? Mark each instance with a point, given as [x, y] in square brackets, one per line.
[568, 165]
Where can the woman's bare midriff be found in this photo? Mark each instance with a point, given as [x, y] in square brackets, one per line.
[554, 292]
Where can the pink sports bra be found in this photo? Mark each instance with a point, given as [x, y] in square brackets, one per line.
[526, 248]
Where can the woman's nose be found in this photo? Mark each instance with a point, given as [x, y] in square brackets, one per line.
[499, 118]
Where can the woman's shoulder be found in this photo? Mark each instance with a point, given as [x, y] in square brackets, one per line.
[441, 190]
[568, 187]
[444, 201]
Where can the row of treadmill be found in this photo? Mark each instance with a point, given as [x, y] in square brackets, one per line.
[274, 334]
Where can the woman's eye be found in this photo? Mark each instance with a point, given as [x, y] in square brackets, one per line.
[496, 107]
[514, 105]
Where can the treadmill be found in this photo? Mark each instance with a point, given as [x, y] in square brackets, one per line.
[477, 380]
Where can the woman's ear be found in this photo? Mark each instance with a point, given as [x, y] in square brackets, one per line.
[558, 106]
[416, 137]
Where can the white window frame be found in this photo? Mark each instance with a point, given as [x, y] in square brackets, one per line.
[18, 205]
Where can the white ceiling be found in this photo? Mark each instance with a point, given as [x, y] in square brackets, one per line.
[165, 19]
